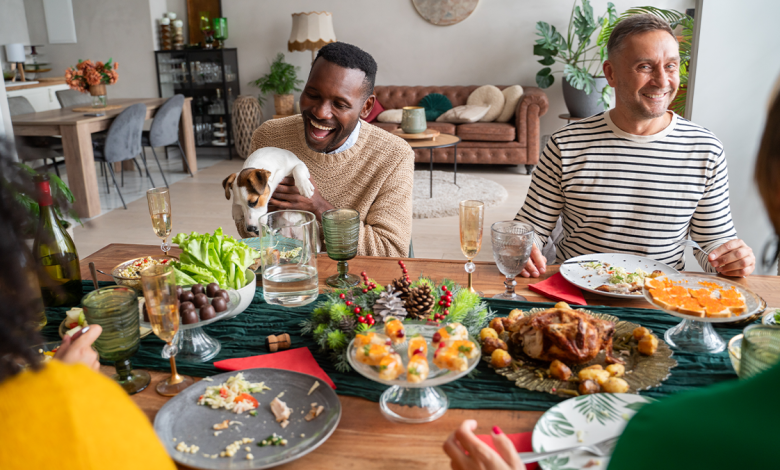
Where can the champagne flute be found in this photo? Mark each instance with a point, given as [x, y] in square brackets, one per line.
[472, 218]
[342, 231]
[159, 200]
[512, 242]
[162, 305]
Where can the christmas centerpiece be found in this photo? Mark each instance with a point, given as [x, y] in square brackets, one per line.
[360, 309]
[91, 77]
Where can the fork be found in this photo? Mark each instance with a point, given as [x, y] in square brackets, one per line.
[600, 449]
[692, 244]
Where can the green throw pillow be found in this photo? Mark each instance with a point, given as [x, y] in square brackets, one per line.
[435, 105]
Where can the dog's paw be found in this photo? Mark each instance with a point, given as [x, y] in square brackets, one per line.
[305, 187]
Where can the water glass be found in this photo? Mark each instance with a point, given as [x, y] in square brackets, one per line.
[342, 232]
[115, 309]
[289, 244]
[512, 243]
[760, 349]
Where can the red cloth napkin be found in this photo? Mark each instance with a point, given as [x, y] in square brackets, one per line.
[558, 288]
[296, 360]
[521, 440]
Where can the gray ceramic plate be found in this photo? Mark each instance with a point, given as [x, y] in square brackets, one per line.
[184, 420]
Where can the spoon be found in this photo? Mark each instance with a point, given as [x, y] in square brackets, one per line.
[94, 274]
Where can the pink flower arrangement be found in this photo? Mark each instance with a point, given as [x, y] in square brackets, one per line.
[86, 73]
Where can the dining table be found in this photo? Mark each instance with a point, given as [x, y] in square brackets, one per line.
[76, 129]
[364, 438]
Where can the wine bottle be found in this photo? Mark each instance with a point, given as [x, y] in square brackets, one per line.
[55, 254]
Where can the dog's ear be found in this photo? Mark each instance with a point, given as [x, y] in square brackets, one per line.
[258, 179]
[227, 184]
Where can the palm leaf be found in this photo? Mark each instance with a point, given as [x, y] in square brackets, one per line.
[600, 406]
[555, 424]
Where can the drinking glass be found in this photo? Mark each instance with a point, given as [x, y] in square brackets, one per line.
[342, 230]
[472, 218]
[512, 243]
[159, 200]
[115, 309]
[289, 244]
[760, 349]
[162, 305]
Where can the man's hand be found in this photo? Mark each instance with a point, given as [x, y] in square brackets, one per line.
[480, 456]
[536, 265]
[287, 197]
[733, 258]
[78, 349]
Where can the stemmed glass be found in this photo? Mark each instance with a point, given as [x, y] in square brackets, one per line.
[115, 309]
[512, 243]
[159, 284]
[159, 200]
[472, 218]
[342, 230]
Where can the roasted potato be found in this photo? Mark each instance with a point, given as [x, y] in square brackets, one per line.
[656, 273]
[515, 314]
[497, 324]
[616, 370]
[490, 344]
[487, 333]
[589, 386]
[648, 345]
[562, 305]
[615, 385]
[598, 375]
[595, 367]
[640, 332]
[559, 370]
[500, 359]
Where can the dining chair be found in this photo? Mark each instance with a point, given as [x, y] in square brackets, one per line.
[38, 147]
[68, 98]
[123, 142]
[164, 131]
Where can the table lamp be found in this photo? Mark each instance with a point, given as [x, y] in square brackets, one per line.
[14, 54]
[311, 31]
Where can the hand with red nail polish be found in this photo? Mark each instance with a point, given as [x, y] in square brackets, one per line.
[467, 452]
[78, 349]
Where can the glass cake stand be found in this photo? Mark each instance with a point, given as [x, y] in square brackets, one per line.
[696, 334]
[406, 402]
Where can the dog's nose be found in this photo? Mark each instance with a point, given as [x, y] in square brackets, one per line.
[251, 228]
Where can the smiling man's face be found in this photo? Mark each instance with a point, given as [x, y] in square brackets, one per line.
[645, 74]
[331, 104]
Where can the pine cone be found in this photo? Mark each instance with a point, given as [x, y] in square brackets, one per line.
[389, 303]
[347, 324]
[420, 302]
[401, 286]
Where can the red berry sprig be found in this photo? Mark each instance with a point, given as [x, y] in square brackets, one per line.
[404, 270]
[342, 296]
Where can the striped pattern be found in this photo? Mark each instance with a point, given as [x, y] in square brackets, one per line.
[622, 193]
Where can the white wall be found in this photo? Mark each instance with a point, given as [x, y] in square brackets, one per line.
[733, 80]
[13, 25]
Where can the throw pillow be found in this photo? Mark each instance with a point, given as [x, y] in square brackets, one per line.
[435, 105]
[463, 114]
[512, 95]
[375, 111]
[390, 115]
[488, 95]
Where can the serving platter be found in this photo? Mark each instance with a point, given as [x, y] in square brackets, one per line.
[181, 419]
[586, 279]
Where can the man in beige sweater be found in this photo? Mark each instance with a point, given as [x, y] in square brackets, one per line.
[352, 164]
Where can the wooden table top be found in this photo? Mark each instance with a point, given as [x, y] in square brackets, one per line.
[364, 438]
[66, 116]
[442, 140]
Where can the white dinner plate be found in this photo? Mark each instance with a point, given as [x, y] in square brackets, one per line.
[587, 279]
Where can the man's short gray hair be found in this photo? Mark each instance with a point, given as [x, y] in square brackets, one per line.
[632, 25]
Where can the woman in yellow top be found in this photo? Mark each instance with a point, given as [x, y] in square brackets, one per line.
[62, 414]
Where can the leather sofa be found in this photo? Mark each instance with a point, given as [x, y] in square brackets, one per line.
[512, 143]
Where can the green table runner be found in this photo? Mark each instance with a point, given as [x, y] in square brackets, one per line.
[245, 335]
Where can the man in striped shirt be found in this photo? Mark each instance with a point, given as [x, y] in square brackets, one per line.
[637, 178]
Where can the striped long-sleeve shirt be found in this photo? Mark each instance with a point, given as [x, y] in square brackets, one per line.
[618, 192]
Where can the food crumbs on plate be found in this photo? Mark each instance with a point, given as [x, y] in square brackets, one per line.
[174, 439]
[314, 412]
[580, 436]
[285, 423]
[592, 463]
[626, 416]
[303, 435]
[217, 433]
[272, 440]
[280, 395]
[247, 449]
[253, 413]
[231, 449]
[208, 379]
[184, 448]
[314, 387]
[249, 456]
[222, 425]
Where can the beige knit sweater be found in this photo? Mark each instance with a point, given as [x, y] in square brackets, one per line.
[375, 177]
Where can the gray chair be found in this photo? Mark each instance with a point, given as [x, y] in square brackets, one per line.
[164, 131]
[68, 98]
[37, 147]
[123, 142]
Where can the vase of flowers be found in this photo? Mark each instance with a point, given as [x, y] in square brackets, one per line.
[91, 77]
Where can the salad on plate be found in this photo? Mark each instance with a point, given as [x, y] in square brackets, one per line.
[620, 281]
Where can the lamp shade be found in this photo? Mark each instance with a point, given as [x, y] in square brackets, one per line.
[14, 52]
[311, 31]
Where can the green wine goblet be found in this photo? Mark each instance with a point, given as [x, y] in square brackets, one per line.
[342, 230]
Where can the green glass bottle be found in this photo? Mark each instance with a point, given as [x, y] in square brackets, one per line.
[36, 303]
[55, 254]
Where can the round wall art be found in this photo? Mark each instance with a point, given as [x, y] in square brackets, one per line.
[445, 12]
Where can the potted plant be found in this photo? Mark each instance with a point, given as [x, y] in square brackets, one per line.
[584, 91]
[93, 78]
[282, 80]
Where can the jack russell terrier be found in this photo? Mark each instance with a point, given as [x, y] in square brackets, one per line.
[253, 186]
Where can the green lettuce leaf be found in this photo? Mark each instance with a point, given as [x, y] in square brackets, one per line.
[214, 258]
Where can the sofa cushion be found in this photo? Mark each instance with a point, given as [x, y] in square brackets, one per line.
[390, 115]
[512, 96]
[387, 126]
[464, 113]
[375, 111]
[443, 127]
[491, 96]
[435, 105]
[486, 131]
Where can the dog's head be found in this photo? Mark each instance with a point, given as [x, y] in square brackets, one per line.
[251, 191]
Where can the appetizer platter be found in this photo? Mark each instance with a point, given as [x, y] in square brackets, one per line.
[701, 301]
[570, 352]
[413, 358]
[257, 418]
[613, 274]
[583, 421]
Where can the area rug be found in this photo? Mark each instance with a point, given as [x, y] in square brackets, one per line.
[446, 195]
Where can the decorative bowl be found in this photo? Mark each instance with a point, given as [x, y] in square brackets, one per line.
[134, 282]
